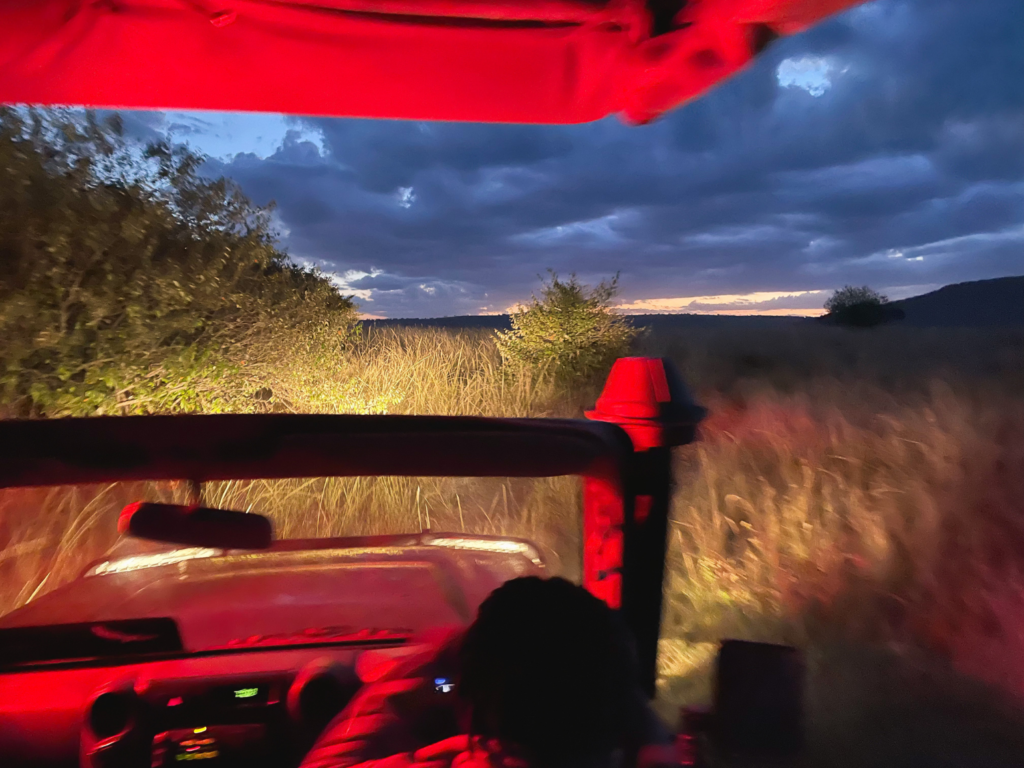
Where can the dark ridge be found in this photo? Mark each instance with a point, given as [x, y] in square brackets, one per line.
[997, 303]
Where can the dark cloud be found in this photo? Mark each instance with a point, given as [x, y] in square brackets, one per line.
[906, 169]
[383, 155]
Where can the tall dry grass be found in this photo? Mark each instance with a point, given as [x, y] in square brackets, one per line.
[807, 522]
[847, 487]
[408, 370]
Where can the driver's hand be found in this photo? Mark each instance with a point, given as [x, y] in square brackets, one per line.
[466, 752]
[444, 751]
[440, 755]
[443, 754]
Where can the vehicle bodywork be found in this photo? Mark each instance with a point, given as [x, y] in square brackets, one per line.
[517, 61]
[270, 616]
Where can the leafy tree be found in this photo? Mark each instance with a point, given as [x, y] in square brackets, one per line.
[130, 282]
[571, 329]
[860, 307]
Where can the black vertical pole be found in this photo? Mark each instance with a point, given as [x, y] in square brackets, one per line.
[643, 572]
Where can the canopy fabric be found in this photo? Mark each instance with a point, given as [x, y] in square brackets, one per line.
[525, 61]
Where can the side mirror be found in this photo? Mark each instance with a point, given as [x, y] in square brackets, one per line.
[196, 526]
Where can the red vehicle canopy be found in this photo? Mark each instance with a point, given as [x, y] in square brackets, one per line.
[525, 61]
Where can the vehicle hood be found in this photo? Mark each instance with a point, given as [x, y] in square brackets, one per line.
[223, 599]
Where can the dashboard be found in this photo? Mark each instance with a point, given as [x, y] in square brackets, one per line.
[236, 658]
[251, 707]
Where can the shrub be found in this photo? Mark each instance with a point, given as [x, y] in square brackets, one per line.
[570, 331]
[129, 282]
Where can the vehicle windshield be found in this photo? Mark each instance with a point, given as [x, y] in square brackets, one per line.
[322, 527]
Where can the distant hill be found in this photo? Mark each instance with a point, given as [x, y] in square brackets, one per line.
[977, 304]
[657, 323]
[980, 303]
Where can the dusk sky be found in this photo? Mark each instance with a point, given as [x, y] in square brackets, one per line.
[885, 147]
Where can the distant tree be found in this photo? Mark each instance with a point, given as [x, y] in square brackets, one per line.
[860, 307]
[849, 296]
[571, 329]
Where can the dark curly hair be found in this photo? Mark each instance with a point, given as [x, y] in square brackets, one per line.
[547, 668]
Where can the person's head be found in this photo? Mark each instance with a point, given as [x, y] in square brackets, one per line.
[547, 668]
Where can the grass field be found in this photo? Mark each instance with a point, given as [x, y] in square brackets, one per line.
[858, 493]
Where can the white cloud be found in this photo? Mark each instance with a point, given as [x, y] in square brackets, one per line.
[809, 73]
[406, 196]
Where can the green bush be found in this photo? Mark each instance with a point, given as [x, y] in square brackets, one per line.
[570, 331]
[131, 283]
